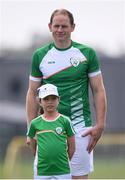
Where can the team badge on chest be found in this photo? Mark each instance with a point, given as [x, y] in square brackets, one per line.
[58, 130]
[74, 61]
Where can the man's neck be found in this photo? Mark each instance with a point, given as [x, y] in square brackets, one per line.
[63, 44]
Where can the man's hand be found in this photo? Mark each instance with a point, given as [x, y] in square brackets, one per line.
[95, 134]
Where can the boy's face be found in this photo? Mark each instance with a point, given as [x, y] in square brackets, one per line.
[50, 103]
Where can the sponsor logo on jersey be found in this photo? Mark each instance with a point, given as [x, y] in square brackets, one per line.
[76, 60]
[51, 62]
[58, 130]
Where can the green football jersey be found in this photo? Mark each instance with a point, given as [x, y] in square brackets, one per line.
[69, 69]
[52, 156]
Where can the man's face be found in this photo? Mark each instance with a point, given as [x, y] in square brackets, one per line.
[61, 28]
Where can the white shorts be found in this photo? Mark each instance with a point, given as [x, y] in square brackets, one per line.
[82, 162]
[64, 176]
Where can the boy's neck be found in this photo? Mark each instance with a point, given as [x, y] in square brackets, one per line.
[50, 115]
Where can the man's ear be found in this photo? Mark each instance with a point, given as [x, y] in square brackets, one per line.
[73, 27]
[50, 25]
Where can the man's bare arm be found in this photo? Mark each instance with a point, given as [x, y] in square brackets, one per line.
[100, 104]
[31, 101]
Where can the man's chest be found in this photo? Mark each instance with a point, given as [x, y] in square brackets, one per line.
[70, 62]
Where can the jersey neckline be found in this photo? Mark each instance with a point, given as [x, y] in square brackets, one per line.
[63, 49]
[50, 120]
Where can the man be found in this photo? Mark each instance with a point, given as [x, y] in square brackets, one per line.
[71, 67]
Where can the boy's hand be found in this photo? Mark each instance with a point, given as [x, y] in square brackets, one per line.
[28, 141]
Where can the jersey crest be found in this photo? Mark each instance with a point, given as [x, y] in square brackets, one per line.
[58, 130]
[76, 60]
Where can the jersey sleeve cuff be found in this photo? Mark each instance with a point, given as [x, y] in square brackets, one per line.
[38, 79]
[94, 73]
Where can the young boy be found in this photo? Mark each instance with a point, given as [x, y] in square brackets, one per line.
[55, 138]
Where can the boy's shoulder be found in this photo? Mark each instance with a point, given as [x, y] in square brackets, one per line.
[65, 117]
[36, 120]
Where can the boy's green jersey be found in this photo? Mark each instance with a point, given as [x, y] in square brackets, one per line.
[51, 137]
[69, 69]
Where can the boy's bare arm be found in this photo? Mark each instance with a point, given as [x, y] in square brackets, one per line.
[71, 146]
[33, 145]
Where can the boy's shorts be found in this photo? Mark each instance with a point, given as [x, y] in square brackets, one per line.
[36, 177]
[82, 162]
[64, 176]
